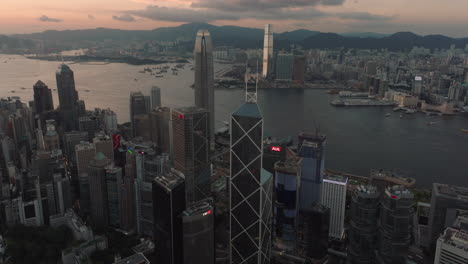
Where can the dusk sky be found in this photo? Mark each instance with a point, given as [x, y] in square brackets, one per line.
[424, 17]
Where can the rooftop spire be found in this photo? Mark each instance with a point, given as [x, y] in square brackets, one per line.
[251, 96]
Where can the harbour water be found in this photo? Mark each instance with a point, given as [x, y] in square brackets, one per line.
[359, 139]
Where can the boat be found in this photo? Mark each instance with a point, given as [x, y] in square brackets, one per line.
[464, 130]
[431, 123]
[22, 88]
[333, 91]
[396, 109]
[387, 115]
[410, 111]
[401, 116]
[159, 76]
[135, 79]
[13, 91]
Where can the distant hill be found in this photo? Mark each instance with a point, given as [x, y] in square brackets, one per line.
[243, 37]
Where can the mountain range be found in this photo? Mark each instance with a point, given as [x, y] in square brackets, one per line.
[243, 37]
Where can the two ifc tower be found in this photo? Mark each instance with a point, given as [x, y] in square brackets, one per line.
[250, 186]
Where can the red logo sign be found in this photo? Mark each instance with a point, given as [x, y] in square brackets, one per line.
[276, 149]
[116, 141]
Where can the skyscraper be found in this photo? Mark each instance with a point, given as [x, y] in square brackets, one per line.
[313, 228]
[445, 200]
[113, 182]
[452, 246]
[395, 224]
[42, 98]
[191, 128]
[160, 130]
[250, 188]
[198, 226]
[311, 149]
[138, 106]
[284, 67]
[363, 226]
[168, 205]
[98, 190]
[68, 97]
[103, 144]
[267, 51]
[333, 196]
[204, 77]
[155, 97]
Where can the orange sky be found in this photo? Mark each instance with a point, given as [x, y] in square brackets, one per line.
[420, 16]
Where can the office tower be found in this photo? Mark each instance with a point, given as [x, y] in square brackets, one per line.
[198, 230]
[113, 182]
[311, 148]
[191, 130]
[287, 181]
[313, 229]
[299, 69]
[68, 98]
[274, 150]
[394, 232]
[104, 145]
[333, 196]
[109, 121]
[19, 125]
[98, 190]
[250, 187]
[142, 126]
[284, 67]
[204, 77]
[168, 205]
[148, 166]
[58, 194]
[71, 139]
[445, 201]
[42, 98]
[452, 246]
[127, 195]
[267, 51]
[418, 86]
[155, 97]
[84, 153]
[138, 106]
[51, 138]
[160, 128]
[89, 124]
[138, 258]
[363, 225]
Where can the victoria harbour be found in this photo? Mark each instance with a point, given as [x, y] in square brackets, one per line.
[359, 139]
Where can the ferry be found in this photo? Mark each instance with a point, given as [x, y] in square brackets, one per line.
[464, 130]
[87, 90]
[410, 111]
[387, 115]
[333, 91]
[159, 76]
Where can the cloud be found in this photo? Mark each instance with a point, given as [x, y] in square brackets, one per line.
[246, 5]
[364, 16]
[45, 18]
[182, 14]
[124, 18]
[91, 17]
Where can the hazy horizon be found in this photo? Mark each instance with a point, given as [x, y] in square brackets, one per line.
[423, 17]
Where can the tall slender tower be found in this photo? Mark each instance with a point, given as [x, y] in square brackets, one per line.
[42, 98]
[68, 97]
[267, 51]
[250, 187]
[204, 76]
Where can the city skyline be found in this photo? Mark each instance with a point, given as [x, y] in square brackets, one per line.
[322, 15]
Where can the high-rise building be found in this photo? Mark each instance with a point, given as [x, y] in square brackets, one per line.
[138, 106]
[98, 190]
[42, 98]
[142, 126]
[113, 182]
[418, 86]
[452, 246]
[333, 196]
[127, 195]
[363, 226]
[104, 144]
[168, 205]
[395, 225]
[51, 137]
[160, 128]
[313, 229]
[287, 181]
[85, 152]
[89, 124]
[71, 139]
[299, 69]
[311, 148]
[284, 67]
[155, 97]
[59, 194]
[446, 199]
[250, 188]
[191, 134]
[204, 77]
[267, 51]
[198, 229]
[68, 98]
